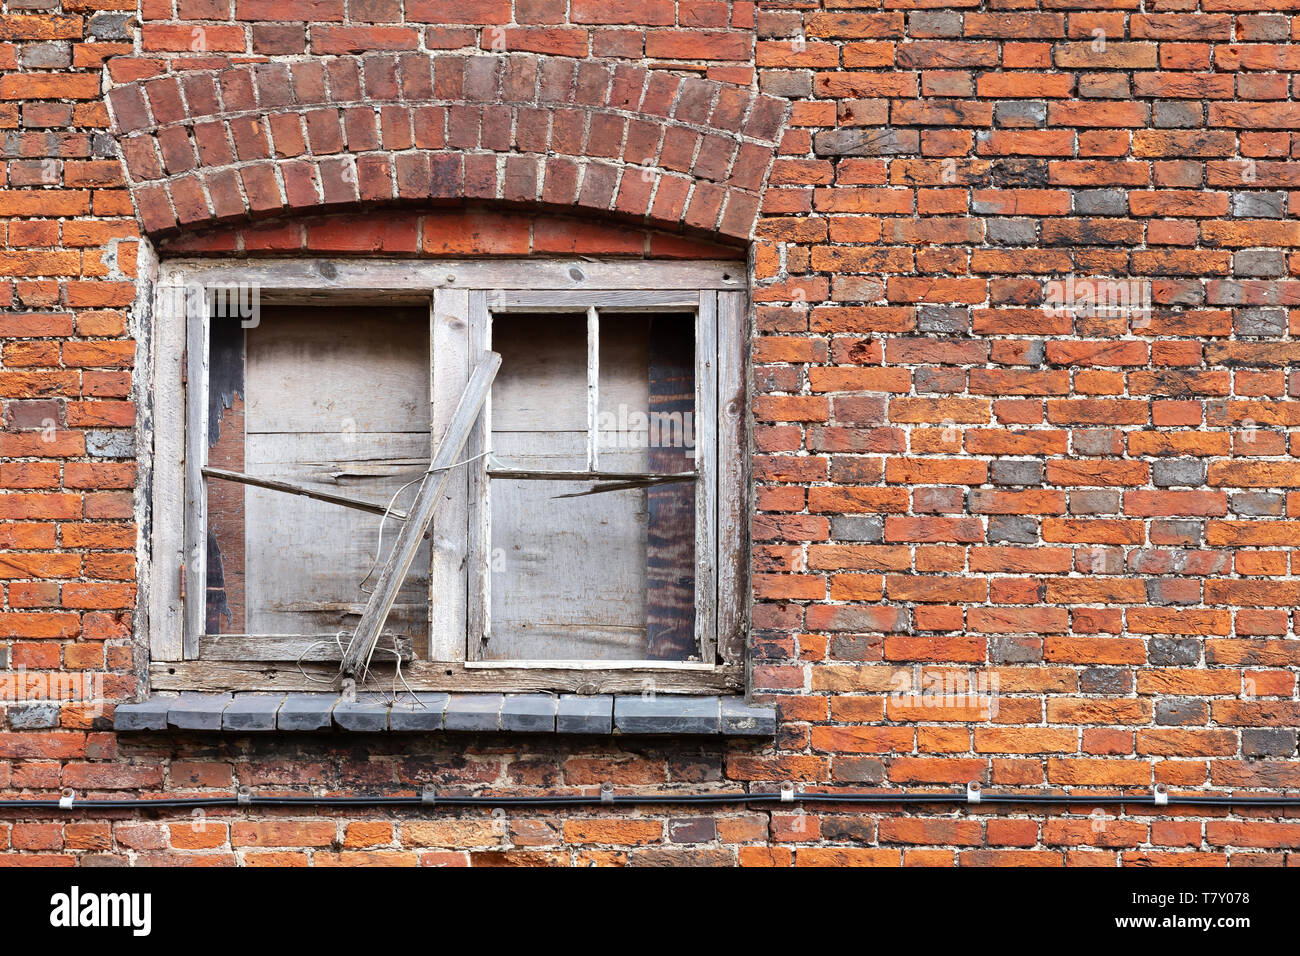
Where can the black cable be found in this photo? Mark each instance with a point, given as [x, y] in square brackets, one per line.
[694, 799]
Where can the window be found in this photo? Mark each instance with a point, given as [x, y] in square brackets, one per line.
[590, 534]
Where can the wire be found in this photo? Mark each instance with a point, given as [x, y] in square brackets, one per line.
[725, 798]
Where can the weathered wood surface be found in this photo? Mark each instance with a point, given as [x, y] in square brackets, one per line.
[333, 395]
[733, 477]
[410, 281]
[412, 534]
[604, 678]
[295, 647]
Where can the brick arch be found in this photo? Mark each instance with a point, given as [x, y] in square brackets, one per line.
[261, 139]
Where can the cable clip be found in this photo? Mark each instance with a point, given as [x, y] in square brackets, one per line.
[606, 793]
[66, 798]
[244, 796]
[1161, 795]
[429, 795]
[787, 792]
[973, 792]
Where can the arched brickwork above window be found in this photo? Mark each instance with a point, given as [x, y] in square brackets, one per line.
[310, 135]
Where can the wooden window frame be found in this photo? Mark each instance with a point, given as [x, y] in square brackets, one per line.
[461, 296]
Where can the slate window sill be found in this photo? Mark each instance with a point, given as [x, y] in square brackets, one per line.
[432, 713]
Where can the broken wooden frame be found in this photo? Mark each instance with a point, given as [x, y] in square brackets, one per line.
[462, 296]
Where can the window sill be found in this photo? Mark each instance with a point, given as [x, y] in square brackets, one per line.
[433, 712]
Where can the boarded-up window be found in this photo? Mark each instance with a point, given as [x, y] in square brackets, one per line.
[334, 400]
[591, 519]
[581, 568]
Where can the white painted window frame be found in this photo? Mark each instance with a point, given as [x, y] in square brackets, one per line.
[461, 295]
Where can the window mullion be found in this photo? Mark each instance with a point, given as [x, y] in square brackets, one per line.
[196, 452]
[593, 388]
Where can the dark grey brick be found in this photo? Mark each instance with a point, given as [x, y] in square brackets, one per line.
[1015, 649]
[1175, 713]
[1015, 172]
[934, 23]
[306, 712]
[1017, 472]
[103, 145]
[252, 712]
[1254, 204]
[111, 26]
[150, 714]
[1020, 114]
[1093, 501]
[857, 528]
[46, 56]
[1097, 441]
[1101, 202]
[1015, 529]
[1259, 263]
[367, 714]
[480, 712]
[528, 713]
[37, 715]
[741, 719]
[1011, 232]
[866, 141]
[1169, 651]
[110, 444]
[1171, 472]
[1268, 742]
[666, 714]
[1105, 680]
[418, 712]
[943, 319]
[1257, 504]
[576, 714]
[197, 711]
[1260, 323]
[1176, 115]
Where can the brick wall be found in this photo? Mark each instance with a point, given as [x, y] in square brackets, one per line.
[962, 470]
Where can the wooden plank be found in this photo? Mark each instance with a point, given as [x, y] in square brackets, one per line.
[623, 300]
[559, 475]
[304, 278]
[196, 451]
[450, 369]
[288, 487]
[333, 396]
[357, 658]
[227, 530]
[479, 545]
[607, 677]
[167, 537]
[706, 491]
[568, 575]
[286, 648]
[593, 388]
[733, 477]
[669, 372]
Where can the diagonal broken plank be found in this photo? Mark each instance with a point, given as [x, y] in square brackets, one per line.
[357, 656]
[290, 488]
